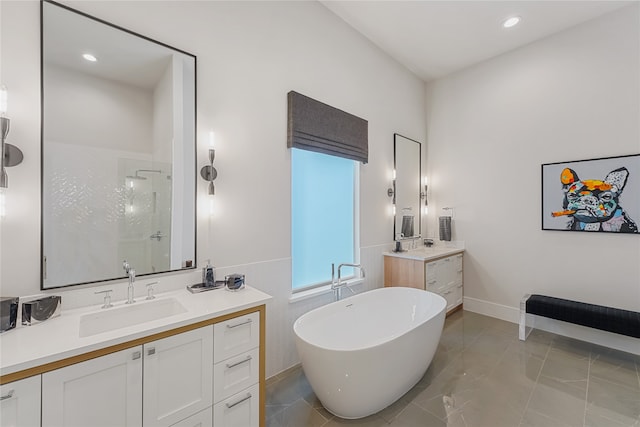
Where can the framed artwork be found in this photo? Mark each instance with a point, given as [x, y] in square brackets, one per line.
[596, 195]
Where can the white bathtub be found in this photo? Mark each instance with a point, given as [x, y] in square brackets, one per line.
[363, 353]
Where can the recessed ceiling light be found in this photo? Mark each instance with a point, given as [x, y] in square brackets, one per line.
[89, 57]
[511, 22]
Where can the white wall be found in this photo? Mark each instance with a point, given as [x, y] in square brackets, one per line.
[106, 113]
[250, 54]
[574, 95]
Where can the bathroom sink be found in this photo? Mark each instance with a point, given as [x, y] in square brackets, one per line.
[110, 319]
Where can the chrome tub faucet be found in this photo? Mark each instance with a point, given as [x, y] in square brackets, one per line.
[337, 286]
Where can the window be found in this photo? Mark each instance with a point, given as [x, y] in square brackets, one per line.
[323, 225]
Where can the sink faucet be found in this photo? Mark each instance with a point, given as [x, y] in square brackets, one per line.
[337, 286]
[132, 278]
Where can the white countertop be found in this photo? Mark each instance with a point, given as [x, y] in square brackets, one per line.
[427, 254]
[58, 338]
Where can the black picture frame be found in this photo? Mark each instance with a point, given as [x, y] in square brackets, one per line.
[592, 195]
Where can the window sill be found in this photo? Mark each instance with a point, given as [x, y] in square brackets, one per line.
[320, 290]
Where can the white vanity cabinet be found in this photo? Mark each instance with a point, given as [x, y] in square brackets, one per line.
[191, 377]
[176, 374]
[441, 275]
[20, 403]
[178, 377]
[105, 391]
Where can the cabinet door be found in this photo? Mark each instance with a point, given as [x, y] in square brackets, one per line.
[239, 410]
[20, 403]
[178, 377]
[101, 392]
[201, 419]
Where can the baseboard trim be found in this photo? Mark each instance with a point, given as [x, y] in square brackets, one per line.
[595, 336]
[491, 309]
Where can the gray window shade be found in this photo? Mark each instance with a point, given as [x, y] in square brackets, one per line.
[318, 127]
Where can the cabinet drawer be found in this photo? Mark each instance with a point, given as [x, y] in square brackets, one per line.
[235, 374]
[458, 263]
[203, 418]
[453, 295]
[236, 336]
[240, 410]
[430, 270]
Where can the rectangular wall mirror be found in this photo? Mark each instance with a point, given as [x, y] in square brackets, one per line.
[118, 151]
[407, 165]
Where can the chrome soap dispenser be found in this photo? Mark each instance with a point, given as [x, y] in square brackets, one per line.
[209, 275]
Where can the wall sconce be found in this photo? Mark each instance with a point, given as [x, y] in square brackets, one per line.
[391, 192]
[10, 155]
[208, 172]
[423, 195]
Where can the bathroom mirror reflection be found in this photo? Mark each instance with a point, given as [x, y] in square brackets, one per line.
[407, 162]
[118, 152]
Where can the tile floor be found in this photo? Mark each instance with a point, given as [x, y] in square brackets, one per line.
[482, 375]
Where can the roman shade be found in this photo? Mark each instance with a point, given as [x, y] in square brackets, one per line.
[319, 127]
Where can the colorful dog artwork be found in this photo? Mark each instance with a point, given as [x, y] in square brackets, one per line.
[593, 205]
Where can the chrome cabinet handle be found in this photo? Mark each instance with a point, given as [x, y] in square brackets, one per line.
[247, 397]
[448, 292]
[233, 365]
[136, 355]
[7, 396]
[459, 286]
[151, 351]
[240, 324]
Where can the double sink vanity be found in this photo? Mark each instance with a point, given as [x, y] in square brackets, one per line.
[125, 196]
[180, 359]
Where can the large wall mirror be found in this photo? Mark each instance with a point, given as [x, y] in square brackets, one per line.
[118, 151]
[407, 161]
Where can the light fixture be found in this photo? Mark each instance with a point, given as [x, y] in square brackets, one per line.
[424, 195]
[208, 172]
[10, 155]
[391, 191]
[89, 57]
[511, 22]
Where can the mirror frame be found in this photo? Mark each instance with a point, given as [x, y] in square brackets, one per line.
[42, 148]
[419, 195]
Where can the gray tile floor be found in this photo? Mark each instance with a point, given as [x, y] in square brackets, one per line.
[482, 375]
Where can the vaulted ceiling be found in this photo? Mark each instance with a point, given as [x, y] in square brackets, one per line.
[436, 38]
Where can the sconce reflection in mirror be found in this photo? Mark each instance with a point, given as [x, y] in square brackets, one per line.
[10, 155]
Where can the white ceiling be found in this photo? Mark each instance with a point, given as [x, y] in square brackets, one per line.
[436, 38]
[122, 57]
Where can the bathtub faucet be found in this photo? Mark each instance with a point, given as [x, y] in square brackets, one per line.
[338, 285]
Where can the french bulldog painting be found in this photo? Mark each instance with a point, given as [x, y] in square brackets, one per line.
[593, 205]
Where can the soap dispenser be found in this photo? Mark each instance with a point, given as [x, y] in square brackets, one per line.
[209, 275]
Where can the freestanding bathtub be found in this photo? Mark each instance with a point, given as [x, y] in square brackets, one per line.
[363, 353]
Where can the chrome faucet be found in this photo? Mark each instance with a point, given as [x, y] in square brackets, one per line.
[337, 286]
[132, 278]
